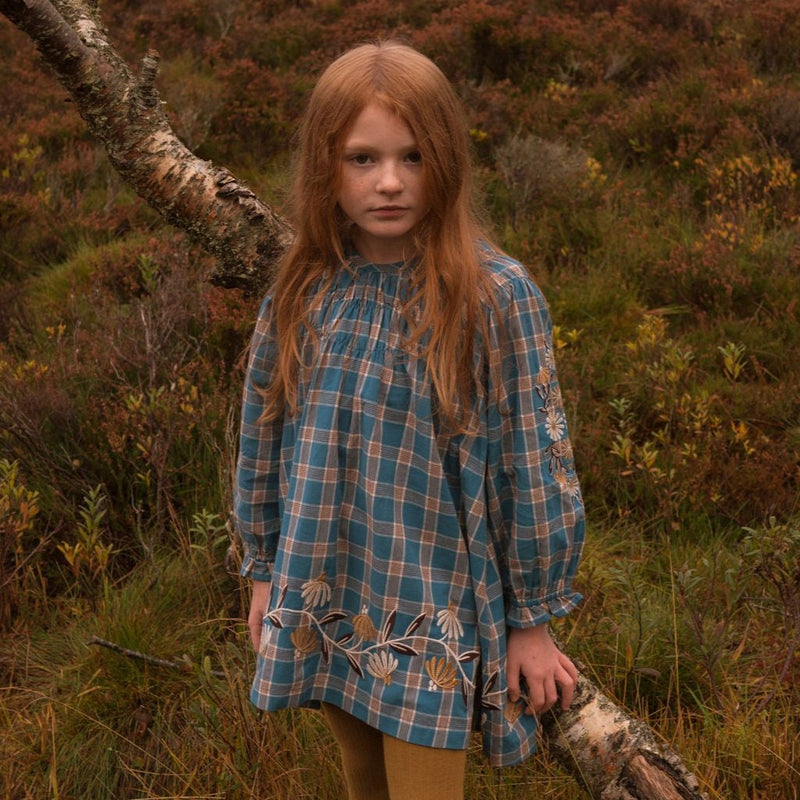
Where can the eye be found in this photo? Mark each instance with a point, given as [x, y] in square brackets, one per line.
[359, 158]
[414, 157]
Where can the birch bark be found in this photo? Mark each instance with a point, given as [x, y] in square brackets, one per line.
[123, 111]
[614, 755]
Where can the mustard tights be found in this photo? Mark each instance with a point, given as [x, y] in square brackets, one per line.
[380, 767]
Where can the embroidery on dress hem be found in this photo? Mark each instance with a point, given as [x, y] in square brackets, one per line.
[378, 648]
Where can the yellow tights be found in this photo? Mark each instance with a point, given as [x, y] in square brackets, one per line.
[380, 767]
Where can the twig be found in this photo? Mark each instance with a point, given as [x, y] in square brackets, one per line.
[185, 665]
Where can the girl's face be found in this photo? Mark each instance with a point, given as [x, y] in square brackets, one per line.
[382, 186]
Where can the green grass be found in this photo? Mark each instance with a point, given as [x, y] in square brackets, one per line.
[688, 641]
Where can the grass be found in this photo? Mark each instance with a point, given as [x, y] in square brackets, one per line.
[686, 640]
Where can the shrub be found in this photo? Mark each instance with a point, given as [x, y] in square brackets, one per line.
[116, 394]
[19, 507]
[537, 173]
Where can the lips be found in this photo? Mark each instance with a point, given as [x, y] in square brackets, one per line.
[389, 211]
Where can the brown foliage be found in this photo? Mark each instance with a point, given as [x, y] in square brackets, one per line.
[638, 110]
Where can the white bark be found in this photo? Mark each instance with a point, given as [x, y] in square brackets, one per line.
[125, 113]
[614, 755]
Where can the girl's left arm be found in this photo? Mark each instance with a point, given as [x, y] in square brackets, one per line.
[539, 527]
[539, 521]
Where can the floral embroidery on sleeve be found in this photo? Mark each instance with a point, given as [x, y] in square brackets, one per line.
[560, 450]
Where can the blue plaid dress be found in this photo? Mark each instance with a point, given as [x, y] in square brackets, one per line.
[398, 555]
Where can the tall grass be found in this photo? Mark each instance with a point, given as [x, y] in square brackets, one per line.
[691, 638]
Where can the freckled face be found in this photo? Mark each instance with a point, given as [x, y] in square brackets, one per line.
[382, 185]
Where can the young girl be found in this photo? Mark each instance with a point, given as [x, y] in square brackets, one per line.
[405, 487]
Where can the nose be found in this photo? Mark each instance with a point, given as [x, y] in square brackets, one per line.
[389, 179]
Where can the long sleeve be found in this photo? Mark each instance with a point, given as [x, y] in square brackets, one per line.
[535, 502]
[257, 481]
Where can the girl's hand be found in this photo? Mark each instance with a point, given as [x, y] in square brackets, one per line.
[533, 655]
[258, 607]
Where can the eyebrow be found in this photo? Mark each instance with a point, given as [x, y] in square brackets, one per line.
[363, 147]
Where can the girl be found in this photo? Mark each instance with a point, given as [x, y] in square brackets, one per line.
[405, 487]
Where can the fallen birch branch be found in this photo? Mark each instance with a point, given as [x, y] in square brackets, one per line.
[185, 664]
[614, 755]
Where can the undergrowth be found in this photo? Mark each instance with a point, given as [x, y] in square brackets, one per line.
[639, 156]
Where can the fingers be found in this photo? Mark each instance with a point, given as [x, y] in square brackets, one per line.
[546, 680]
[258, 607]
[255, 633]
[255, 621]
[569, 683]
[542, 693]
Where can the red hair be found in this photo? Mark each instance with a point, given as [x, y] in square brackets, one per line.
[448, 286]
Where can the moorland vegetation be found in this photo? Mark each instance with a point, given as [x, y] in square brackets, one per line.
[640, 156]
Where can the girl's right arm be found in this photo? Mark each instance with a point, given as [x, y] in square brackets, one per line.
[257, 482]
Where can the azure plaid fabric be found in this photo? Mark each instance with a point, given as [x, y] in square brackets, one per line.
[398, 555]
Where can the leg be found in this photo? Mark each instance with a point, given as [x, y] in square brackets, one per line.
[414, 772]
[362, 755]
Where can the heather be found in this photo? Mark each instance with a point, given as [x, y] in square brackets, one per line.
[639, 156]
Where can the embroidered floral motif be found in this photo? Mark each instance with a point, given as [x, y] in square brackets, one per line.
[488, 691]
[445, 672]
[573, 487]
[447, 620]
[305, 640]
[266, 634]
[555, 425]
[549, 358]
[560, 455]
[382, 665]
[442, 673]
[513, 711]
[316, 592]
[364, 627]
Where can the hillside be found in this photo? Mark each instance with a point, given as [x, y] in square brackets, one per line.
[640, 156]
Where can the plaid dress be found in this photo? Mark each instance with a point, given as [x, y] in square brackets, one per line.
[399, 555]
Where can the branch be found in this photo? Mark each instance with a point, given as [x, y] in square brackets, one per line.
[184, 665]
[125, 113]
[615, 756]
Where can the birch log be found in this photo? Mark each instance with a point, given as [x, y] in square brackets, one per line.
[614, 756]
[124, 112]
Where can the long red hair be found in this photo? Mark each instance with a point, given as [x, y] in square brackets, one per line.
[448, 286]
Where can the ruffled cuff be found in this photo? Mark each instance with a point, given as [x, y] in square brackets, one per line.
[540, 611]
[256, 568]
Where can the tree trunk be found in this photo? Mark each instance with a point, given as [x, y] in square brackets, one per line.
[614, 756]
[125, 113]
